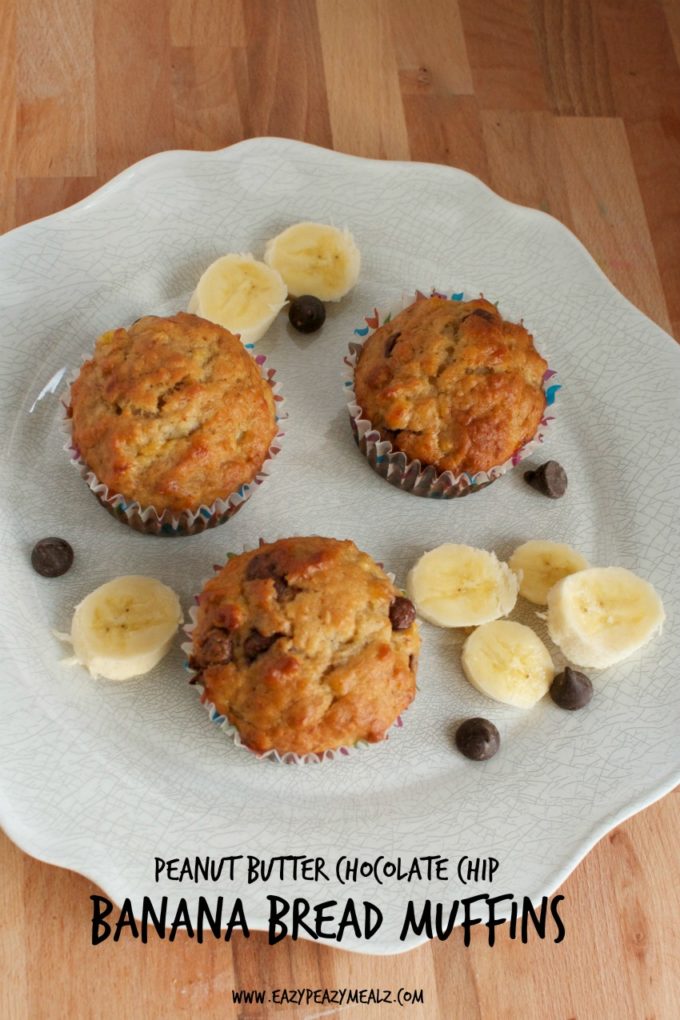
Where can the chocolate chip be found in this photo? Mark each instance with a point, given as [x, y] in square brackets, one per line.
[264, 566]
[477, 739]
[306, 314]
[257, 644]
[571, 689]
[402, 613]
[215, 650]
[483, 314]
[413, 663]
[261, 567]
[51, 557]
[391, 341]
[550, 479]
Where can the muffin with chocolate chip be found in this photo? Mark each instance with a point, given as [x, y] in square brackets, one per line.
[452, 385]
[305, 646]
[171, 414]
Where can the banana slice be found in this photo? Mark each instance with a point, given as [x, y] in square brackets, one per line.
[316, 259]
[542, 564]
[125, 627]
[241, 294]
[600, 616]
[460, 586]
[508, 662]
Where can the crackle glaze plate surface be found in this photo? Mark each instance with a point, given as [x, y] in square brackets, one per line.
[102, 777]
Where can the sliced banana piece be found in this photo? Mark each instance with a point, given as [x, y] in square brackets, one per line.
[317, 259]
[460, 586]
[541, 564]
[125, 627]
[508, 662]
[241, 294]
[600, 616]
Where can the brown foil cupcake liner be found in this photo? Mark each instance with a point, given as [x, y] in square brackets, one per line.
[185, 522]
[393, 465]
[228, 728]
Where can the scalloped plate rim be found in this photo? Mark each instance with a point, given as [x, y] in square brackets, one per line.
[29, 839]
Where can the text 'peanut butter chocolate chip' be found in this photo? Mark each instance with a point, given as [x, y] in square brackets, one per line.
[571, 689]
[215, 650]
[51, 557]
[478, 739]
[257, 644]
[402, 613]
[550, 479]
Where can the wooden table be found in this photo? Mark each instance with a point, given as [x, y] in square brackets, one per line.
[572, 106]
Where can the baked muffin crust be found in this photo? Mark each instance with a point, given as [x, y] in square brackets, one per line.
[295, 644]
[172, 412]
[452, 384]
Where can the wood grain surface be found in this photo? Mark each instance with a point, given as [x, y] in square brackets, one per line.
[571, 106]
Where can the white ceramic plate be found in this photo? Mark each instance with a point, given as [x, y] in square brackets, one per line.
[102, 777]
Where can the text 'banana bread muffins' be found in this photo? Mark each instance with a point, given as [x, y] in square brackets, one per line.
[447, 395]
[305, 647]
[171, 422]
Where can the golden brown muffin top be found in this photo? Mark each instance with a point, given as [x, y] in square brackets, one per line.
[306, 645]
[172, 412]
[452, 384]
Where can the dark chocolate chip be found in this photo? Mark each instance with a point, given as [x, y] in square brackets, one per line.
[261, 567]
[571, 689]
[413, 663]
[215, 649]
[477, 739]
[550, 479]
[51, 557]
[483, 314]
[257, 644]
[264, 566]
[391, 341]
[306, 314]
[402, 613]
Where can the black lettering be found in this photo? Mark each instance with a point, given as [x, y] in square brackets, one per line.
[214, 922]
[442, 931]
[417, 926]
[237, 920]
[158, 923]
[538, 922]
[468, 920]
[278, 907]
[126, 919]
[558, 920]
[181, 920]
[98, 922]
[493, 922]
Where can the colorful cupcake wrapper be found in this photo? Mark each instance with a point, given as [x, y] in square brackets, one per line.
[220, 720]
[393, 465]
[185, 522]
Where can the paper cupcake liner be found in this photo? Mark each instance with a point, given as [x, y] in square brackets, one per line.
[228, 728]
[185, 522]
[393, 465]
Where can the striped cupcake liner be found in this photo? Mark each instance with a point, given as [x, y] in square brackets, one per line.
[185, 522]
[393, 465]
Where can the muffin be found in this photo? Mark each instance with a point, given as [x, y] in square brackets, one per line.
[452, 385]
[172, 414]
[305, 646]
